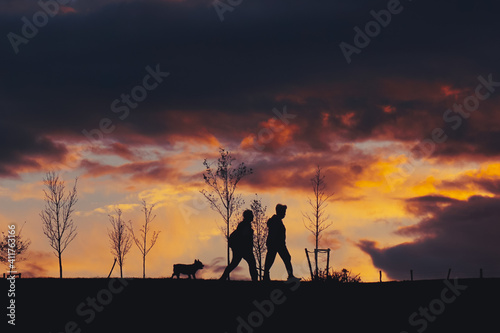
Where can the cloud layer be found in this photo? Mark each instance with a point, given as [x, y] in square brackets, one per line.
[461, 235]
[226, 78]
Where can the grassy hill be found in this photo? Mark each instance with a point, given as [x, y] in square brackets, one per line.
[165, 305]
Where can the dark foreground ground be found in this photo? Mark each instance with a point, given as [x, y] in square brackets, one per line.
[164, 305]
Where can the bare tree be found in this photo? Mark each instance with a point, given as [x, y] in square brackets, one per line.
[120, 238]
[142, 242]
[13, 247]
[57, 222]
[222, 182]
[260, 232]
[317, 222]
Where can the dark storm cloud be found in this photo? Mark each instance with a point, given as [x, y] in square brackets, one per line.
[65, 79]
[427, 204]
[461, 235]
[145, 172]
[20, 151]
[485, 183]
[282, 170]
[490, 185]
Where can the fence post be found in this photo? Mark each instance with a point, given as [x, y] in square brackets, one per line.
[449, 272]
[380, 275]
[328, 264]
[411, 274]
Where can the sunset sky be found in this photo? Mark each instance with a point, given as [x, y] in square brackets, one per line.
[407, 133]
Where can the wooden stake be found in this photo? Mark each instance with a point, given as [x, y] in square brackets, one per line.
[112, 269]
[380, 274]
[310, 268]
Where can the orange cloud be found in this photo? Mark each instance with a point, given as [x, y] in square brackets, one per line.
[388, 108]
[66, 9]
[449, 91]
[273, 134]
[38, 264]
[348, 119]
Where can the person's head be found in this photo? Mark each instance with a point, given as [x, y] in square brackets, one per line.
[248, 215]
[280, 210]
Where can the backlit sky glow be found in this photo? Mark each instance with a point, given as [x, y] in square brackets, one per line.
[230, 84]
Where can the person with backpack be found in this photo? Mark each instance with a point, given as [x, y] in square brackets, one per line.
[241, 243]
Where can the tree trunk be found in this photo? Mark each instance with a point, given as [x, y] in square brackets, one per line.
[228, 252]
[228, 219]
[316, 249]
[144, 248]
[316, 260]
[143, 266]
[60, 265]
[317, 229]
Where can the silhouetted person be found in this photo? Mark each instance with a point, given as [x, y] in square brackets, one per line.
[276, 242]
[241, 242]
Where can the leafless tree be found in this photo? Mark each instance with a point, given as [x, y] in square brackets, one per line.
[260, 232]
[13, 247]
[142, 242]
[316, 221]
[120, 238]
[57, 221]
[222, 182]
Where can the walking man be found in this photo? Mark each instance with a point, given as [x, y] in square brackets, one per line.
[276, 243]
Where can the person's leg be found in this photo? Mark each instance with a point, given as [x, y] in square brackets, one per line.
[232, 265]
[250, 258]
[287, 259]
[270, 256]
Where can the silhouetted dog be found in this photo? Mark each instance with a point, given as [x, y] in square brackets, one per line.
[187, 269]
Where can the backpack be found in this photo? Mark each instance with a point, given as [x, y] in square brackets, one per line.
[234, 238]
[238, 238]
